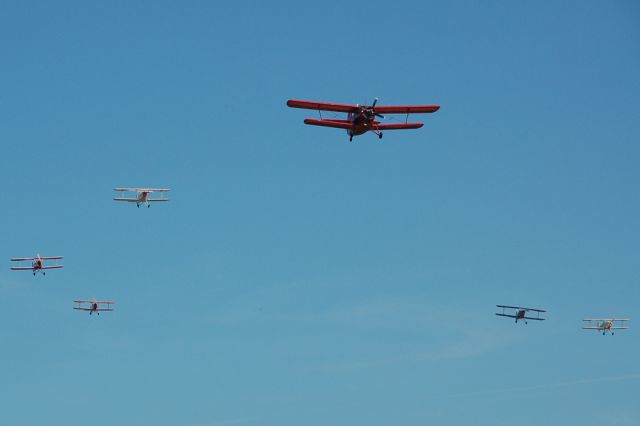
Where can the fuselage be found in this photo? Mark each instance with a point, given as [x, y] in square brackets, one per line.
[606, 325]
[361, 121]
[37, 264]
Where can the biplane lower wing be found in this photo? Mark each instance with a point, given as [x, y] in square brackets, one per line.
[506, 315]
[31, 268]
[338, 124]
[137, 200]
[602, 328]
[401, 126]
[322, 106]
[93, 310]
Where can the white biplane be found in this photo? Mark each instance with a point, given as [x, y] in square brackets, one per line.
[37, 263]
[520, 313]
[92, 306]
[605, 324]
[142, 195]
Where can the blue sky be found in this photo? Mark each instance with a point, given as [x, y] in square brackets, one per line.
[295, 278]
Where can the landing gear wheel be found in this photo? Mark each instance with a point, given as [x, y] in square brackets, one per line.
[148, 205]
[380, 135]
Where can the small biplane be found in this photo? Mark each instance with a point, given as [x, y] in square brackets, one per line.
[605, 324]
[362, 118]
[92, 306]
[142, 195]
[37, 264]
[520, 313]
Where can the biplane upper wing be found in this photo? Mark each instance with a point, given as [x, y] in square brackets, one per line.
[141, 189]
[521, 307]
[340, 124]
[407, 109]
[21, 259]
[155, 189]
[322, 106]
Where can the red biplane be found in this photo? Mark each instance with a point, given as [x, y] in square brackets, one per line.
[362, 118]
[92, 306]
[37, 264]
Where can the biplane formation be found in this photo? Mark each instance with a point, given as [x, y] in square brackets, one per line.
[141, 196]
[362, 118]
[37, 264]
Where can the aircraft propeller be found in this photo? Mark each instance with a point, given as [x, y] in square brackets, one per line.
[372, 109]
